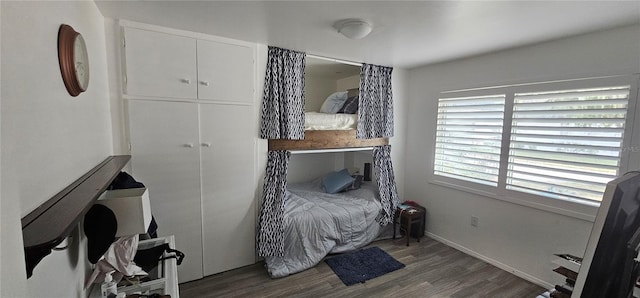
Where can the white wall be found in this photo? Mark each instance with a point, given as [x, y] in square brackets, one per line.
[355, 161]
[348, 83]
[306, 167]
[316, 90]
[49, 139]
[515, 237]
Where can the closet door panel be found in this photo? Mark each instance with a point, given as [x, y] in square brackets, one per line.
[228, 135]
[225, 72]
[160, 64]
[166, 158]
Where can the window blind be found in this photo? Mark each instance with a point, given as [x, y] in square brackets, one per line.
[468, 138]
[567, 144]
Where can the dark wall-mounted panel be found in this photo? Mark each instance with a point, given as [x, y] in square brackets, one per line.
[49, 224]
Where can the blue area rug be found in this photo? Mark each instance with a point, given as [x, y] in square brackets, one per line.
[362, 265]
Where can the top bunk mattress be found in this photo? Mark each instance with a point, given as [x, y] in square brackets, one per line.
[323, 121]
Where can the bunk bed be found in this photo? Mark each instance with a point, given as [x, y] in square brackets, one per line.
[301, 223]
[317, 223]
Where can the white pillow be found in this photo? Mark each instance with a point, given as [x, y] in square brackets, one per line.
[334, 102]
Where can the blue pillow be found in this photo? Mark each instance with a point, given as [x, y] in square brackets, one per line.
[334, 102]
[336, 181]
[350, 105]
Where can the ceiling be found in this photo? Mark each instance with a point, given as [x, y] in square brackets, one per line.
[405, 34]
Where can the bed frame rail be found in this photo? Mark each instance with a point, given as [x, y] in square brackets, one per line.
[326, 139]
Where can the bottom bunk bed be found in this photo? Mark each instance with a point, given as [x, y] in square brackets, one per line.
[317, 223]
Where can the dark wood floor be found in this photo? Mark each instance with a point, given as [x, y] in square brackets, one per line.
[432, 270]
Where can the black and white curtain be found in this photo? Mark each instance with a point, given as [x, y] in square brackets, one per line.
[386, 183]
[270, 226]
[375, 113]
[283, 99]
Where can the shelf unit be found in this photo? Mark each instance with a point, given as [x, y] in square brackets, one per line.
[163, 279]
[49, 224]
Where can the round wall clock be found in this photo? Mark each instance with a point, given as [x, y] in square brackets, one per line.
[74, 60]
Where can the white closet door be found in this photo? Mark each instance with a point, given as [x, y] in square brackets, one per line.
[166, 158]
[225, 72]
[228, 135]
[160, 65]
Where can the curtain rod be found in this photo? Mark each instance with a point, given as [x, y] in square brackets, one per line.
[335, 60]
[331, 150]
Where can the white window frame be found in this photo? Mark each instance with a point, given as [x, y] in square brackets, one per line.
[583, 209]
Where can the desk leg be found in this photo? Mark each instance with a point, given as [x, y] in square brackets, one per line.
[394, 229]
[420, 223]
[408, 230]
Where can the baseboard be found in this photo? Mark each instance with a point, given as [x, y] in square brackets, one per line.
[491, 261]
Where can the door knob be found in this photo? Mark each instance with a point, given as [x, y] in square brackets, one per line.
[188, 145]
[206, 144]
[204, 83]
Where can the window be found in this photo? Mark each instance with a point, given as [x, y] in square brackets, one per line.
[567, 143]
[555, 140]
[468, 138]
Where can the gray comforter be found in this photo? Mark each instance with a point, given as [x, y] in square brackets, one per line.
[317, 223]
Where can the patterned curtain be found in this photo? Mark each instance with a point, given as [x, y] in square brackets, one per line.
[375, 113]
[386, 183]
[283, 99]
[270, 229]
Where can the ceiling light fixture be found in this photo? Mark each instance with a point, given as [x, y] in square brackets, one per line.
[353, 28]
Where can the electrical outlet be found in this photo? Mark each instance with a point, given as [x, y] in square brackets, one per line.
[474, 221]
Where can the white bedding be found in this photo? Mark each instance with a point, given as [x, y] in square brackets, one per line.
[323, 121]
[317, 223]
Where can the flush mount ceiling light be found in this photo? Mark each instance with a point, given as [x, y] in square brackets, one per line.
[353, 28]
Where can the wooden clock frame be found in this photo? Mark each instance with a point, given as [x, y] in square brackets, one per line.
[66, 40]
